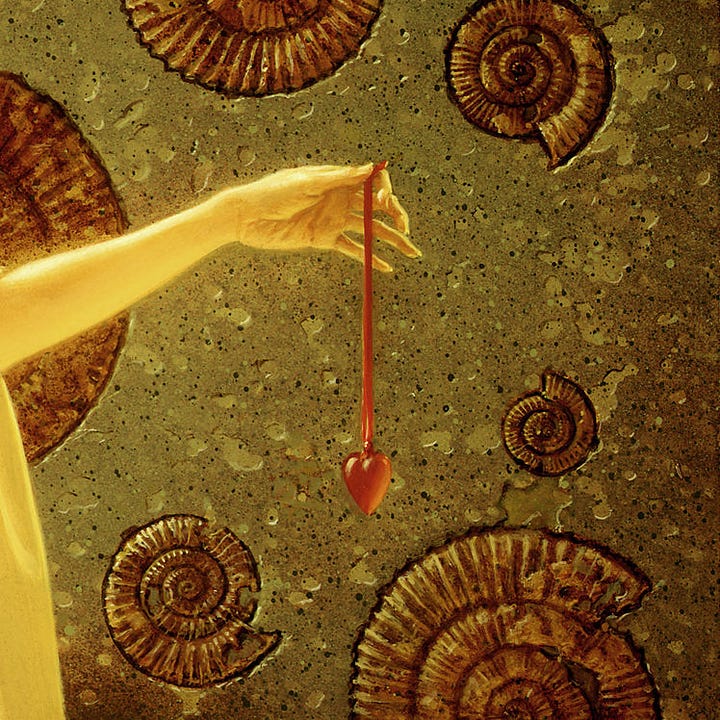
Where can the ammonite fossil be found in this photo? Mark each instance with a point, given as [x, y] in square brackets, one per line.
[253, 47]
[534, 69]
[505, 624]
[552, 430]
[54, 195]
[178, 600]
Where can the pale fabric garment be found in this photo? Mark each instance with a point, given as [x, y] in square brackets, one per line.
[30, 681]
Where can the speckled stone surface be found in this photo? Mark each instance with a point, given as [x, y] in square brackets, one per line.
[236, 395]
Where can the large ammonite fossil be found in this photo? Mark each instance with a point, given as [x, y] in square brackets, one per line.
[253, 47]
[534, 69]
[178, 602]
[552, 430]
[54, 195]
[505, 624]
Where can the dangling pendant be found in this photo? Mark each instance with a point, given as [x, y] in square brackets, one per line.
[367, 473]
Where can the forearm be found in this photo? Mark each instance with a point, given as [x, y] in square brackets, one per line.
[49, 300]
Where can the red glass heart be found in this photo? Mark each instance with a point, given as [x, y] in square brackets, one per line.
[367, 476]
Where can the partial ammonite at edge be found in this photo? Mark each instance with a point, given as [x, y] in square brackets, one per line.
[505, 623]
[178, 599]
[533, 69]
[55, 195]
[253, 47]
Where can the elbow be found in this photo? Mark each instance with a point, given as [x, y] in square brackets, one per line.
[9, 352]
[8, 357]
[16, 330]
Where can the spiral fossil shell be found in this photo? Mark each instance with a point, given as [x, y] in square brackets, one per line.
[253, 47]
[54, 195]
[505, 624]
[178, 602]
[552, 430]
[534, 69]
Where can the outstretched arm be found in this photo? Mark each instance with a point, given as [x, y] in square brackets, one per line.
[49, 300]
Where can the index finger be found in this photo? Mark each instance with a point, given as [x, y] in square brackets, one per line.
[339, 175]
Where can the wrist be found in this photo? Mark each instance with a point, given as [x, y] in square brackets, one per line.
[221, 218]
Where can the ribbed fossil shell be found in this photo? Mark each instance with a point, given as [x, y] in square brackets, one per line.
[505, 624]
[178, 602]
[54, 195]
[253, 47]
[552, 430]
[535, 69]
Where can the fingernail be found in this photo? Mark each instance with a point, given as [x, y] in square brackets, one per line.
[415, 250]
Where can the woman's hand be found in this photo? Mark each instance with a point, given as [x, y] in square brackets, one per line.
[316, 207]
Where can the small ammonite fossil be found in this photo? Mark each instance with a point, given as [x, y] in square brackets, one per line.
[533, 69]
[505, 623]
[178, 600]
[54, 195]
[253, 47]
[552, 430]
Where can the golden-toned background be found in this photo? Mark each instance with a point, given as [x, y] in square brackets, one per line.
[236, 395]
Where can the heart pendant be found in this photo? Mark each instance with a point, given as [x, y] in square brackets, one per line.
[367, 476]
